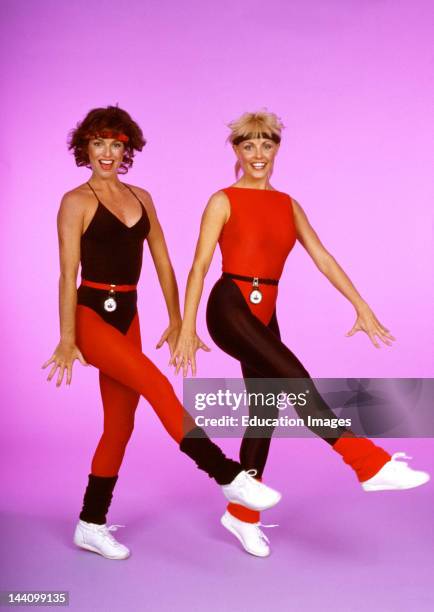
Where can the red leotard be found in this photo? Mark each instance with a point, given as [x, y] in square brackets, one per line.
[256, 241]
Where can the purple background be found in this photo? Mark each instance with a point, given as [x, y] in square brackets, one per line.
[350, 81]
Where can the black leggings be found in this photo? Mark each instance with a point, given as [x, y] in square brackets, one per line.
[262, 354]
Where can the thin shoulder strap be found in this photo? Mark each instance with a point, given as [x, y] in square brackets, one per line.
[93, 190]
[136, 196]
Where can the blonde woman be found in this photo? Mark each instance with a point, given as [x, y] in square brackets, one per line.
[256, 227]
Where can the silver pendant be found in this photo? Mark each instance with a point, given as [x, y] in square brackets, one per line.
[255, 295]
[110, 304]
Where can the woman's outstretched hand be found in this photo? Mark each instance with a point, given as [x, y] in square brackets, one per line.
[170, 335]
[185, 352]
[367, 322]
[63, 358]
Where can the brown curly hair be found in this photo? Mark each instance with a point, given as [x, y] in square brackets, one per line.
[97, 121]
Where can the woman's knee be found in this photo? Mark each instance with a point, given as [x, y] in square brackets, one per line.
[296, 371]
[118, 436]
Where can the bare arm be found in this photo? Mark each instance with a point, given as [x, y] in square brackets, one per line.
[324, 261]
[166, 275]
[163, 265]
[327, 264]
[69, 227]
[214, 217]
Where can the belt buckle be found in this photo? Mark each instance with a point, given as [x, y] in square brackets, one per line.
[110, 303]
[255, 295]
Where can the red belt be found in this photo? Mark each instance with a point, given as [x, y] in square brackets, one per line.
[108, 286]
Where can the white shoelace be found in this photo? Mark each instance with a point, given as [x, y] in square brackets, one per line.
[252, 481]
[252, 473]
[261, 533]
[105, 532]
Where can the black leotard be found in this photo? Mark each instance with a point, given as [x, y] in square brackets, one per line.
[111, 252]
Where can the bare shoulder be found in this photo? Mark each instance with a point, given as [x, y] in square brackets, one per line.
[217, 210]
[144, 196]
[296, 207]
[76, 202]
[219, 197]
[74, 196]
[140, 191]
[219, 201]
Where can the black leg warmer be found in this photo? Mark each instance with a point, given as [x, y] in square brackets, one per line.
[97, 498]
[209, 457]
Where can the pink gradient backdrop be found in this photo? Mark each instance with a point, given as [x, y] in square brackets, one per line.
[355, 155]
[350, 80]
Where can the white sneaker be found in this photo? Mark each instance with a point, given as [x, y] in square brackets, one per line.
[98, 538]
[250, 535]
[249, 492]
[396, 475]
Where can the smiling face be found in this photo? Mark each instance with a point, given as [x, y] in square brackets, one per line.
[105, 155]
[256, 157]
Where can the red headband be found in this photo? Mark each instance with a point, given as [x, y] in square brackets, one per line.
[106, 133]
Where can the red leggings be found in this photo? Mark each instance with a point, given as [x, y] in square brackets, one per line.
[125, 374]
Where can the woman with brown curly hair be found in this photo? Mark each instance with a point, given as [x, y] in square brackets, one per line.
[256, 227]
[103, 224]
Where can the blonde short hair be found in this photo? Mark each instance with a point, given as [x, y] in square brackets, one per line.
[255, 125]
